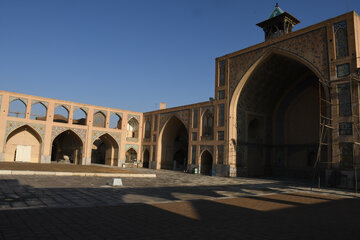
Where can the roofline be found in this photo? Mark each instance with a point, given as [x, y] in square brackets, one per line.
[279, 39]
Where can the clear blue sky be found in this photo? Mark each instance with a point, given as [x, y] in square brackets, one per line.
[133, 54]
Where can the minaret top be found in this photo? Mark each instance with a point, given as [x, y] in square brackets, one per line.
[278, 24]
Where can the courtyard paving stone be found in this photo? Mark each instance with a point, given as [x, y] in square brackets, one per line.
[174, 205]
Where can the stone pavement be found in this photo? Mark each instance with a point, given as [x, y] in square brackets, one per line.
[172, 206]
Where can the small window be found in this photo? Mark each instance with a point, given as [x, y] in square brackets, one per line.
[193, 155]
[147, 129]
[222, 73]
[195, 117]
[194, 136]
[220, 135]
[221, 117]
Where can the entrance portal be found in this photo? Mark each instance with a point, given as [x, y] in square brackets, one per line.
[146, 158]
[277, 118]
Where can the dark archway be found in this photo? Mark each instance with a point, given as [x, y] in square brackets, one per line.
[105, 150]
[174, 145]
[67, 147]
[277, 118]
[206, 163]
[146, 159]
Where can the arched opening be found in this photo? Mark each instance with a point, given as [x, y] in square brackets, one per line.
[206, 163]
[174, 145]
[131, 156]
[23, 145]
[17, 108]
[115, 121]
[132, 130]
[146, 159]
[99, 119]
[147, 130]
[61, 114]
[207, 125]
[67, 147]
[38, 111]
[277, 118]
[79, 117]
[105, 150]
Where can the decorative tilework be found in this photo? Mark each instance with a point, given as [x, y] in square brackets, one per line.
[344, 99]
[207, 147]
[137, 117]
[128, 146]
[11, 99]
[102, 111]
[33, 102]
[341, 39]
[13, 125]
[56, 131]
[343, 70]
[310, 46]
[64, 105]
[183, 115]
[96, 134]
[345, 128]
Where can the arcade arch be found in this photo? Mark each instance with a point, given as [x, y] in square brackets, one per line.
[206, 163]
[174, 145]
[17, 108]
[23, 145]
[61, 114]
[79, 117]
[131, 156]
[67, 147]
[132, 130]
[38, 111]
[105, 150]
[146, 158]
[276, 107]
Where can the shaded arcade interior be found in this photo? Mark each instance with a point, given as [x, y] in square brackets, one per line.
[67, 147]
[174, 145]
[105, 150]
[278, 119]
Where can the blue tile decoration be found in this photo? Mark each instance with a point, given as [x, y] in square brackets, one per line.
[56, 131]
[182, 115]
[102, 111]
[96, 134]
[128, 146]
[13, 125]
[343, 70]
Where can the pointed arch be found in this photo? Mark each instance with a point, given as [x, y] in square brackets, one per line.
[132, 130]
[105, 150]
[278, 68]
[115, 121]
[61, 114]
[172, 152]
[131, 155]
[99, 119]
[23, 144]
[38, 111]
[206, 163]
[147, 130]
[17, 108]
[207, 125]
[79, 117]
[67, 147]
[146, 158]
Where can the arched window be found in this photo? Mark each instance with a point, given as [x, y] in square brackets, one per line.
[17, 108]
[341, 41]
[147, 129]
[99, 119]
[132, 128]
[115, 121]
[61, 114]
[79, 117]
[38, 111]
[207, 125]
